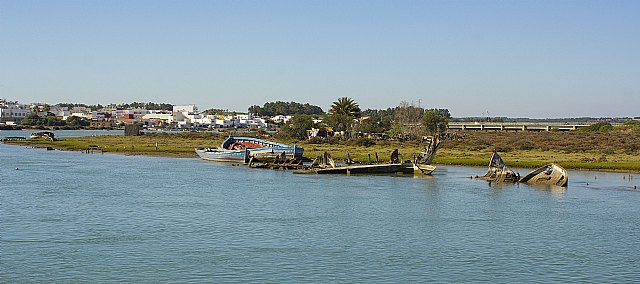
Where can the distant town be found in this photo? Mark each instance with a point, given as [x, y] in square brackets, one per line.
[270, 115]
[177, 116]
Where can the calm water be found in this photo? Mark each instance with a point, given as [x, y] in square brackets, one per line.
[60, 133]
[74, 217]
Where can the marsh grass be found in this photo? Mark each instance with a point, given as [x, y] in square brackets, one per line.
[572, 150]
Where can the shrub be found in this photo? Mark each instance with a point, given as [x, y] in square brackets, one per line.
[631, 148]
[366, 142]
[503, 148]
[607, 151]
[523, 145]
[598, 127]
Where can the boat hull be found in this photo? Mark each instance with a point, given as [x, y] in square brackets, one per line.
[404, 168]
[550, 174]
[423, 169]
[221, 155]
[499, 172]
[241, 149]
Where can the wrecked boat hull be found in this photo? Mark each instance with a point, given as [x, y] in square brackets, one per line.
[550, 174]
[404, 168]
[498, 171]
[423, 169]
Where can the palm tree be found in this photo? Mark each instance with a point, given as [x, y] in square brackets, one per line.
[345, 106]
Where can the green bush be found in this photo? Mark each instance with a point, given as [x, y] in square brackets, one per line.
[598, 127]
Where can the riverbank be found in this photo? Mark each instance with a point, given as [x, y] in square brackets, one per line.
[572, 150]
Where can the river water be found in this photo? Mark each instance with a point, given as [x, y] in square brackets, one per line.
[75, 217]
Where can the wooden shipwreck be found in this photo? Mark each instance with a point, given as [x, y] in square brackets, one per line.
[421, 164]
[550, 174]
[326, 165]
[498, 171]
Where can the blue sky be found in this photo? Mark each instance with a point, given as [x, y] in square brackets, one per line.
[508, 58]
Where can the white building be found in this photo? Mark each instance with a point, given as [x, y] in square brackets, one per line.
[60, 112]
[188, 109]
[252, 122]
[153, 119]
[281, 118]
[186, 115]
[226, 121]
[12, 112]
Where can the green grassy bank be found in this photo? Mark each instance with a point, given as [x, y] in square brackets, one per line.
[575, 150]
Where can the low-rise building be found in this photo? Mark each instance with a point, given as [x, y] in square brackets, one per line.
[100, 119]
[281, 118]
[158, 119]
[12, 112]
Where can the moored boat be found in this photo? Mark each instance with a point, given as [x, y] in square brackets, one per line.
[222, 155]
[241, 149]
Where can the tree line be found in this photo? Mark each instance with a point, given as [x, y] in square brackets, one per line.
[133, 105]
[33, 119]
[285, 108]
[406, 121]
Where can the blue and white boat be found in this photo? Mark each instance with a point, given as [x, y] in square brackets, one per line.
[241, 149]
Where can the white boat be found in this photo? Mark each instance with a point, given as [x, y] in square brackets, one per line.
[241, 149]
[550, 174]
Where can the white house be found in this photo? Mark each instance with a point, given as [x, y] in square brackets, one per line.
[158, 118]
[252, 122]
[281, 118]
[60, 112]
[12, 111]
[188, 109]
[186, 115]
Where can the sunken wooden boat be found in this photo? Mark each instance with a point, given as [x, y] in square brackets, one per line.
[241, 149]
[326, 165]
[422, 162]
[498, 171]
[550, 174]
[43, 134]
[423, 169]
[404, 168]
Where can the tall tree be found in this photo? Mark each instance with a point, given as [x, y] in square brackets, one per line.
[297, 127]
[407, 121]
[436, 121]
[345, 106]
